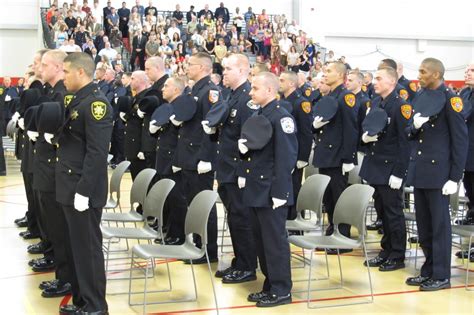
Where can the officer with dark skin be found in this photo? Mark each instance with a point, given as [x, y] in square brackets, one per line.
[267, 190]
[437, 163]
[385, 167]
[81, 182]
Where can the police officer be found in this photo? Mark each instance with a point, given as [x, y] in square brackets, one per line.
[267, 190]
[385, 167]
[304, 87]
[368, 86]
[410, 86]
[402, 91]
[436, 166]
[336, 145]
[301, 111]
[117, 142]
[81, 182]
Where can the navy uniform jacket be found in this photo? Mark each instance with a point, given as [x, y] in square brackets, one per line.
[468, 96]
[369, 90]
[193, 144]
[303, 118]
[103, 87]
[336, 142]
[409, 86]
[390, 154]
[315, 96]
[83, 147]
[440, 146]
[306, 91]
[228, 156]
[364, 103]
[133, 129]
[44, 159]
[268, 171]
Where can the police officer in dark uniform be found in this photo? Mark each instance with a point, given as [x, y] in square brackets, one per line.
[336, 145]
[304, 88]
[409, 86]
[368, 86]
[385, 167]
[354, 84]
[81, 182]
[117, 141]
[146, 106]
[267, 189]
[402, 91]
[436, 167]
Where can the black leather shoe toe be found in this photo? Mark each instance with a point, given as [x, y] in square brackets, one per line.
[392, 265]
[20, 219]
[257, 296]
[274, 300]
[35, 261]
[222, 273]
[69, 309]
[435, 285]
[333, 251]
[27, 235]
[416, 281]
[57, 290]
[36, 248]
[44, 265]
[375, 226]
[239, 276]
[375, 262]
[47, 284]
[22, 223]
[201, 261]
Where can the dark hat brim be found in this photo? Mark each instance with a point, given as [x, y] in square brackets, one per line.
[258, 131]
[124, 103]
[50, 117]
[148, 104]
[30, 118]
[161, 115]
[184, 107]
[29, 98]
[375, 121]
[429, 103]
[326, 108]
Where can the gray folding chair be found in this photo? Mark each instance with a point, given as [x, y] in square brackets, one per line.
[114, 186]
[196, 223]
[351, 209]
[465, 231]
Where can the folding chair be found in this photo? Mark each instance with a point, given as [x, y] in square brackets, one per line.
[114, 186]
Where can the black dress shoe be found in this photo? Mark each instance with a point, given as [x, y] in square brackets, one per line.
[27, 235]
[44, 265]
[46, 284]
[333, 251]
[257, 296]
[466, 221]
[201, 261]
[222, 273]
[174, 241]
[380, 231]
[274, 300]
[463, 254]
[416, 281]
[36, 248]
[93, 313]
[375, 226]
[57, 290]
[435, 285]
[35, 261]
[22, 223]
[392, 264]
[239, 276]
[20, 219]
[375, 262]
[69, 309]
[413, 240]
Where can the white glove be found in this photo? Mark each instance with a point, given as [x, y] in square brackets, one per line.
[450, 188]
[8, 98]
[301, 164]
[33, 135]
[204, 167]
[395, 182]
[122, 116]
[140, 113]
[318, 122]
[81, 203]
[241, 182]
[175, 122]
[419, 120]
[208, 130]
[141, 156]
[153, 128]
[49, 137]
[367, 111]
[347, 167]
[175, 169]
[21, 123]
[242, 147]
[366, 138]
[16, 116]
[278, 202]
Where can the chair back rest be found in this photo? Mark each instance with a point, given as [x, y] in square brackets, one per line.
[311, 194]
[354, 177]
[352, 206]
[155, 200]
[198, 214]
[140, 186]
[116, 178]
[310, 170]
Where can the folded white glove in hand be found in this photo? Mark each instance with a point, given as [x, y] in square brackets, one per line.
[175, 169]
[141, 156]
[175, 122]
[301, 164]
[81, 203]
[208, 130]
[49, 137]
[33, 135]
[8, 98]
[395, 182]
[450, 188]
[347, 167]
[204, 167]
[318, 122]
[21, 123]
[153, 128]
[122, 116]
[241, 182]
[140, 113]
[366, 138]
[16, 116]
[278, 202]
[419, 120]
[242, 147]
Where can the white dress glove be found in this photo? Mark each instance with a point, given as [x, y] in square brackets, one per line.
[49, 137]
[366, 138]
[122, 116]
[21, 123]
[33, 135]
[8, 98]
[16, 116]
[318, 122]
[208, 130]
[347, 167]
[204, 167]
[301, 164]
[242, 147]
[141, 156]
[175, 122]
[367, 111]
[395, 182]
[140, 113]
[278, 202]
[81, 203]
[241, 182]
[419, 120]
[153, 128]
[175, 169]
[450, 188]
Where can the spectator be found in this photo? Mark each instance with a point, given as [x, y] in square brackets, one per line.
[149, 10]
[285, 45]
[293, 60]
[276, 66]
[190, 14]
[81, 36]
[192, 25]
[201, 26]
[293, 28]
[95, 56]
[87, 47]
[138, 50]
[244, 44]
[99, 40]
[209, 44]
[259, 40]
[148, 23]
[178, 16]
[233, 33]
[220, 51]
[178, 57]
[98, 13]
[238, 20]
[222, 12]
[343, 60]
[70, 47]
[85, 7]
[118, 61]
[50, 13]
[165, 50]
[60, 33]
[173, 29]
[124, 16]
[181, 50]
[140, 9]
[175, 41]
[311, 49]
[204, 12]
[249, 15]
[94, 27]
[106, 11]
[134, 25]
[209, 22]
[304, 63]
[108, 51]
[197, 39]
[152, 46]
[71, 23]
[263, 18]
[112, 21]
[330, 56]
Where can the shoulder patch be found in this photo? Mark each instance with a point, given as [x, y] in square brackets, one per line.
[364, 88]
[98, 109]
[306, 107]
[367, 104]
[403, 94]
[67, 99]
[252, 105]
[287, 125]
[350, 100]
[412, 86]
[406, 111]
[307, 92]
[456, 104]
[213, 96]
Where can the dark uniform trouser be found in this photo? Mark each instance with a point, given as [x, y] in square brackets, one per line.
[84, 250]
[336, 186]
[136, 166]
[273, 249]
[434, 232]
[468, 182]
[239, 221]
[43, 227]
[394, 238]
[150, 159]
[296, 177]
[117, 144]
[3, 166]
[57, 229]
[32, 212]
[175, 208]
[193, 183]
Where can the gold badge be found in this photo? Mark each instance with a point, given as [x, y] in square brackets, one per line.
[99, 109]
[456, 104]
[403, 94]
[74, 115]
[350, 100]
[306, 107]
[367, 104]
[406, 111]
[412, 86]
[67, 100]
[364, 88]
[307, 92]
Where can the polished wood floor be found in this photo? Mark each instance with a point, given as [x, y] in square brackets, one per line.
[19, 293]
